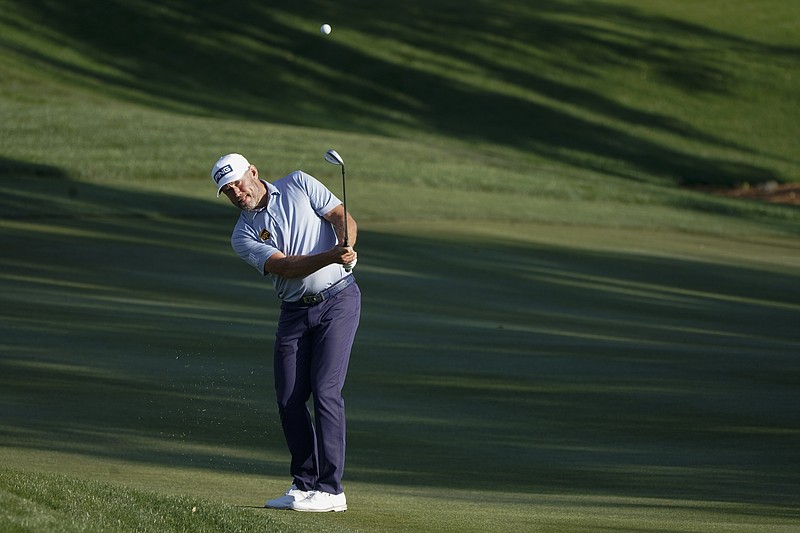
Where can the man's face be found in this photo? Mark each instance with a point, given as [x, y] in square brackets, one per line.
[245, 193]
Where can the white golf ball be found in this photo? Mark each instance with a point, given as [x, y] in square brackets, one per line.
[325, 29]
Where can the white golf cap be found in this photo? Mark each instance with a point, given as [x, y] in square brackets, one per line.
[229, 168]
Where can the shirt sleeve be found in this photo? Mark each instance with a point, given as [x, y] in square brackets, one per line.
[250, 247]
[321, 198]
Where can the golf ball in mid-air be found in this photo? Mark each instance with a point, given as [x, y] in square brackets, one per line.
[325, 29]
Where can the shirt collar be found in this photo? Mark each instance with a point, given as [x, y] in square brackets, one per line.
[271, 190]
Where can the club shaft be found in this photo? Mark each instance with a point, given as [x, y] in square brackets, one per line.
[344, 203]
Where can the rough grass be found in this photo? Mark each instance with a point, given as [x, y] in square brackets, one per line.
[49, 502]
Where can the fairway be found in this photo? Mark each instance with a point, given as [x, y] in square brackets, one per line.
[561, 332]
[645, 377]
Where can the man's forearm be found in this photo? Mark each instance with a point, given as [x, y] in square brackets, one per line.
[300, 266]
[352, 231]
[297, 266]
[336, 218]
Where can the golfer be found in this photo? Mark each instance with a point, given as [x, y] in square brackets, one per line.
[292, 231]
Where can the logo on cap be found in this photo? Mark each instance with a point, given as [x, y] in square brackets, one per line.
[227, 169]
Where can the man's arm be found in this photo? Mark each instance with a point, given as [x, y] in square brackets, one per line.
[300, 266]
[336, 217]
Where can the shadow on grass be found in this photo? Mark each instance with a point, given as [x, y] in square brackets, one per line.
[485, 366]
[582, 372]
[252, 61]
[14, 171]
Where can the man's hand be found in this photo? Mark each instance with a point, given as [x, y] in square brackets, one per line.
[346, 255]
[348, 267]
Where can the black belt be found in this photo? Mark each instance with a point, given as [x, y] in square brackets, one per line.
[330, 292]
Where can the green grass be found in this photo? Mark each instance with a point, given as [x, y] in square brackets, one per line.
[556, 336]
[47, 502]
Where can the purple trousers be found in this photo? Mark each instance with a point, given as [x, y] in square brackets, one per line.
[312, 353]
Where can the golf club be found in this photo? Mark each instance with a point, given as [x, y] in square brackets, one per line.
[332, 157]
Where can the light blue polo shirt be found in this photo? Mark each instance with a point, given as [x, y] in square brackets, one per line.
[291, 223]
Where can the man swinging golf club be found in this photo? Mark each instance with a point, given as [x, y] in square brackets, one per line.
[297, 233]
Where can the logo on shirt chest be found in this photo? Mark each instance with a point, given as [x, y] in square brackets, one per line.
[265, 235]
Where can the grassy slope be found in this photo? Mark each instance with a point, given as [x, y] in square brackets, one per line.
[615, 373]
[563, 101]
[584, 83]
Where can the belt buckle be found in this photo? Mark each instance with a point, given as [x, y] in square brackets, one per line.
[312, 299]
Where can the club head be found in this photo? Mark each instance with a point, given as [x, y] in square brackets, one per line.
[333, 158]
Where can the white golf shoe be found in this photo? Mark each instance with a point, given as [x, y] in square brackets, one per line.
[285, 502]
[321, 502]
